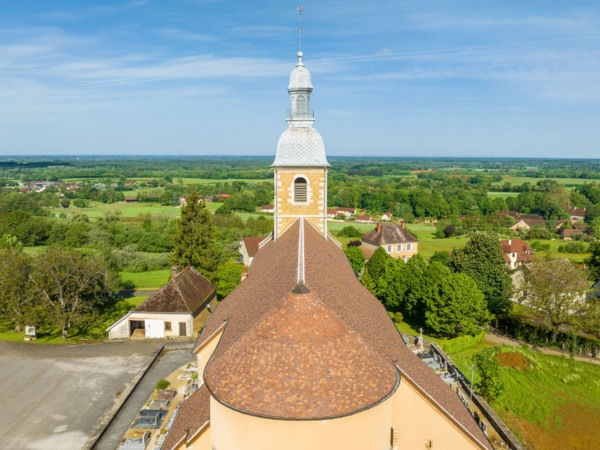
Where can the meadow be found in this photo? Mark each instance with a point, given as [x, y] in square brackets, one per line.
[567, 182]
[546, 400]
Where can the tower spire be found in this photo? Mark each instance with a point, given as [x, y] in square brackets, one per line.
[300, 31]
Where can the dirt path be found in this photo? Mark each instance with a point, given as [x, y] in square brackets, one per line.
[505, 340]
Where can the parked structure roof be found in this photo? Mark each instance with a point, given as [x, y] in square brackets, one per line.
[185, 293]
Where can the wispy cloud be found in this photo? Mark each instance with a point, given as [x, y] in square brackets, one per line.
[177, 33]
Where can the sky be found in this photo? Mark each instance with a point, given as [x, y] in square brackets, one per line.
[425, 78]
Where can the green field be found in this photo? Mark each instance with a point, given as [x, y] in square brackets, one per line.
[548, 401]
[569, 182]
[553, 400]
[555, 254]
[502, 194]
[98, 209]
[153, 279]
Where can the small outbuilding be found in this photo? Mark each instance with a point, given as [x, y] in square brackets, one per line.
[178, 309]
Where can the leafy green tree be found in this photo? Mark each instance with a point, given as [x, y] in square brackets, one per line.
[356, 258]
[77, 234]
[229, 275]
[376, 264]
[194, 243]
[69, 288]
[10, 241]
[483, 260]
[456, 306]
[392, 286]
[16, 299]
[557, 289]
[349, 231]
[489, 384]
[593, 261]
[417, 287]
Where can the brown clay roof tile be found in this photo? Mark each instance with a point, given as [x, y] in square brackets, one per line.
[185, 293]
[330, 277]
[388, 233]
[193, 414]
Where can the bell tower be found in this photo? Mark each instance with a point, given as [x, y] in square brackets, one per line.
[300, 165]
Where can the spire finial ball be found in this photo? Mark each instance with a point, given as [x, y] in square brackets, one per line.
[300, 54]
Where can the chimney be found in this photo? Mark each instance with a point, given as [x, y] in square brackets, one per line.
[378, 226]
[403, 224]
[509, 242]
[175, 270]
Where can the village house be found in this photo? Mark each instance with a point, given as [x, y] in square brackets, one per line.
[527, 222]
[517, 252]
[301, 355]
[178, 309]
[567, 234]
[346, 212]
[131, 199]
[364, 219]
[387, 217]
[249, 247]
[576, 214]
[394, 238]
[266, 208]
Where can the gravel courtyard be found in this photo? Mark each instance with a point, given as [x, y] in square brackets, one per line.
[53, 396]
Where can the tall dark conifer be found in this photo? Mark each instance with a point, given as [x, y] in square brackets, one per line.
[194, 243]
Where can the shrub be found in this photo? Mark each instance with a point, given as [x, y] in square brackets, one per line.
[162, 384]
[490, 385]
[349, 231]
[540, 246]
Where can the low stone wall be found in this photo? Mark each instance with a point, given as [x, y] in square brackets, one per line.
[109, 417]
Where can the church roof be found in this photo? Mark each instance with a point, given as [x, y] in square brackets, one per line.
[185, 293]
[301, 361]
[193, 416]
[367, 328]
[300, 147]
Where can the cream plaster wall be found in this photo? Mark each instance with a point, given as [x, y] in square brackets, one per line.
[206, 351]
[122, 330]
[418, 420]
[366, 430]
[315, 209]
[200, 442]
[404, 254]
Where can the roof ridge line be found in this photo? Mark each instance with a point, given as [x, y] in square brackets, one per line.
[179, 290]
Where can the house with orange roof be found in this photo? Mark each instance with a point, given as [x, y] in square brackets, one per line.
[517, 252]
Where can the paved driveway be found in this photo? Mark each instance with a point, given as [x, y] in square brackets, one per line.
[53, 396]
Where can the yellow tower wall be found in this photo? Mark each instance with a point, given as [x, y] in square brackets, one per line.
[418, 421]
[366, 430]
[314, 210]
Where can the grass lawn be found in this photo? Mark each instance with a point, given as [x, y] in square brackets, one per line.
[427, 247]
[226, 180]
[569, 182]
[96, 330]
[555, 254]
[549, 403]
[147, 280]
[503, 194]
[98, 209]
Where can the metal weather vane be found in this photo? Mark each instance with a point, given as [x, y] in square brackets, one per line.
[300, 30]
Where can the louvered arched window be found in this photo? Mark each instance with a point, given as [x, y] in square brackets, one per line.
[300, 190]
